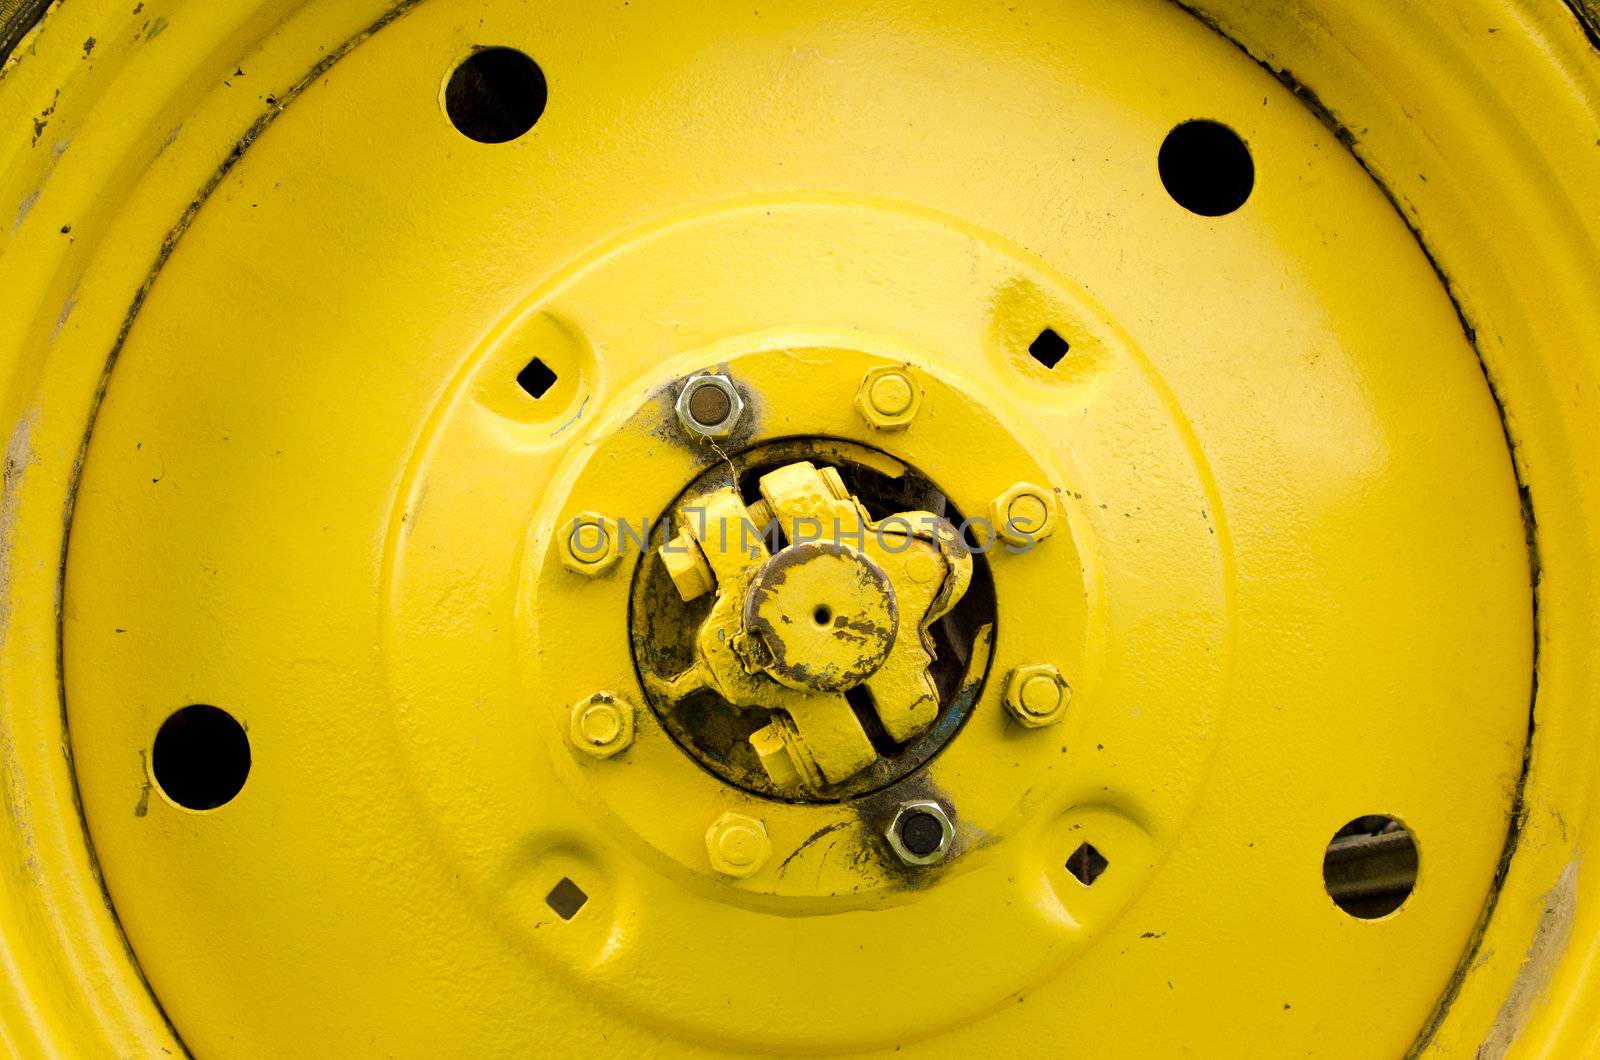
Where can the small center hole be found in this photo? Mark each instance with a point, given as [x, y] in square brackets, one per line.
[822, 615]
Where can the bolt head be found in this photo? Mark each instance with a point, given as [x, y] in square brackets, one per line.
[737, 845]
[602, 725]
[921, 833]
[687, 566]
[709, 406]
[889, 397]
[1037, 695]
[589, 543]
[1025, 514]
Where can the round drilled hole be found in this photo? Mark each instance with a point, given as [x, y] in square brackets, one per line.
[201, 757]
[822, 615]
[1370, 866]
[1206, 168]
[495, 95]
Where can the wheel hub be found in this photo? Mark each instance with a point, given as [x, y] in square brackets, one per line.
[1136, 554]
[820, 618]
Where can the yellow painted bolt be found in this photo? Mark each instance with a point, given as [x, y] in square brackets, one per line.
[923, 568]
[891, 394]
[889, 397]
[589, 544]
[687, 567]
[602, 725]
[1041, 696]
[1037, 695]
[1025, 514]
[775, 756]
[737, 845]
[589, 539]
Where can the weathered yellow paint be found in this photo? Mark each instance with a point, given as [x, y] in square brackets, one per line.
[263, 312]
[844, 602]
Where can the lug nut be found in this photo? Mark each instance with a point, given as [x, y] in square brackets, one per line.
[1025, 514]
[589, 544]
[602, 725]
[889, 398]
[921, 833]
[709, 406]
[737, 845]
[1037, 695]
[687, 567]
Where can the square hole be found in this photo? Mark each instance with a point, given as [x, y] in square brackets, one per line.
[1087, 863]
[1048, 348]
[566, 898]
[536, 378]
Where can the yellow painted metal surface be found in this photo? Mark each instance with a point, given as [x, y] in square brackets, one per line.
[1291, 543]
[814, 598]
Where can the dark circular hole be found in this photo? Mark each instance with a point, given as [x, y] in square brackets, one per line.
[1206, 168]
[495, 95]
[201, 757]
[1370, 866]
[822, 615]
[921, 833]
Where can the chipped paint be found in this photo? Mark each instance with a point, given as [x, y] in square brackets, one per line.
[24, 207]
[67, 306]
[575, 417]
[1531, 987]
[19, 457]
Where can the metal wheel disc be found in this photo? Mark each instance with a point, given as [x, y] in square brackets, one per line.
[370, 688]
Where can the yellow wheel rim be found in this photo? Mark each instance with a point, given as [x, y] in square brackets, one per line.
[1264, 341]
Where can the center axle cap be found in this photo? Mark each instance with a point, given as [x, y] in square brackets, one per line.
[820, 618]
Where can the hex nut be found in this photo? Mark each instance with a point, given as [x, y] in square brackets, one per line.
[889, 397]
[921, 833]
[602, 725]
[589, 543]
[1037, 695]
[737, 845]
[1025, 514]
[686, 565]
[709, 406]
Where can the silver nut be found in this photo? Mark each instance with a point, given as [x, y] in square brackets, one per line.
[709, 406]
[921, 833]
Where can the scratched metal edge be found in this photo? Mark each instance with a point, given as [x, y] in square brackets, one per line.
[1587, 12]
[168, 244]
[18, 21]
[1519, 806]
